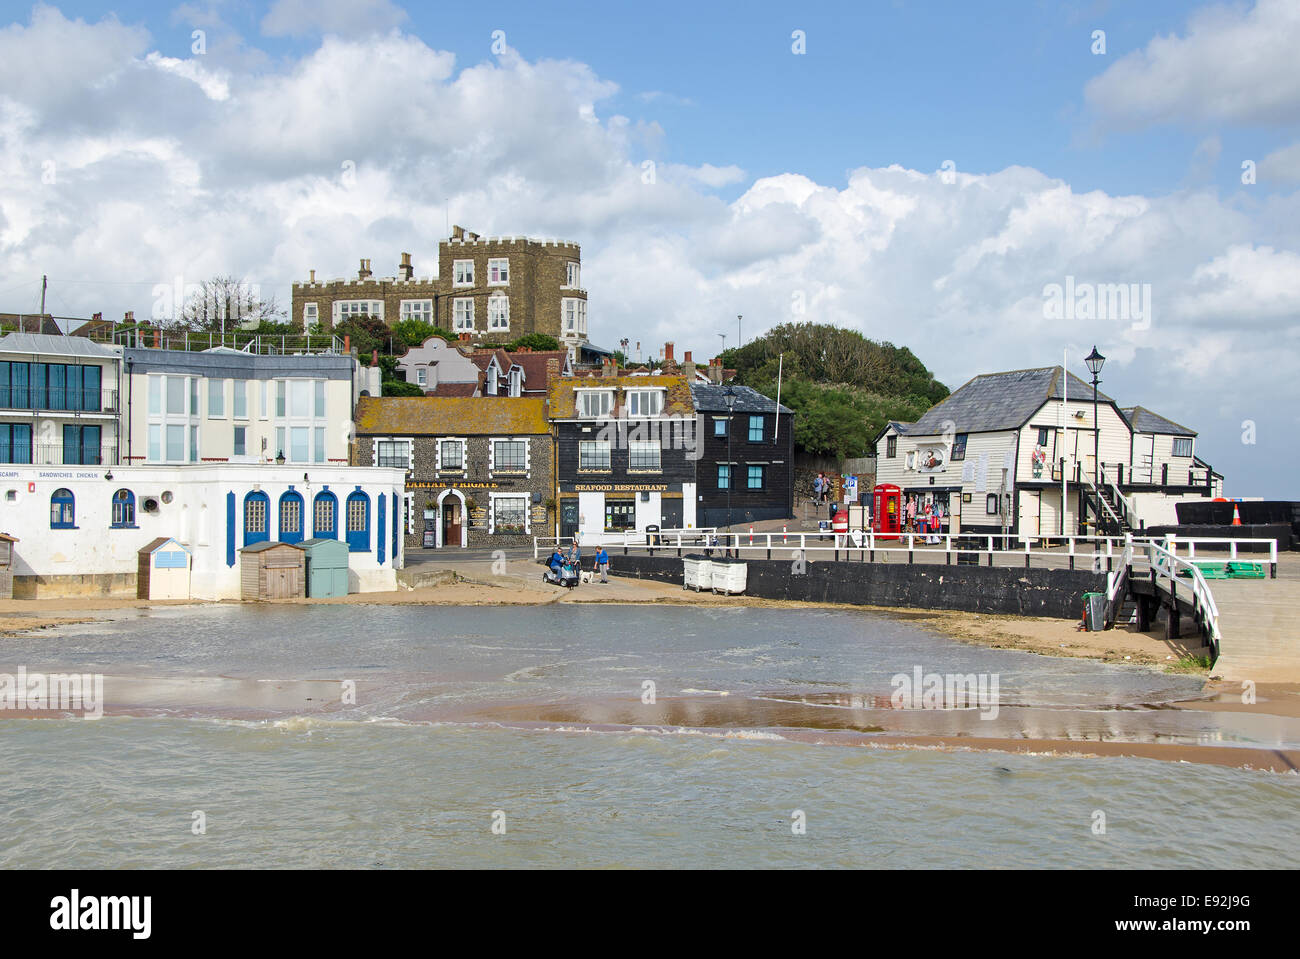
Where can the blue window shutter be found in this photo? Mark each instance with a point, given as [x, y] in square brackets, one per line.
[380, 539]
[230, 529]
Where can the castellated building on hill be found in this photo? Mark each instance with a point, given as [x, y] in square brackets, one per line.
[496, 289]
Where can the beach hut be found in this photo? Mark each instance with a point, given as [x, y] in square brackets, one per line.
[163, 570]
[327, 567]
[7, 566]
[272, 570]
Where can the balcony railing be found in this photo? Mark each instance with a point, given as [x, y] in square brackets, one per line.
[58, 401]
[58, 454]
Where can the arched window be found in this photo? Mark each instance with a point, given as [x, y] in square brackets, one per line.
[291, 517]
[325, 515]
[123, 509]
[256, 506]
[358, 522]
[63, 510]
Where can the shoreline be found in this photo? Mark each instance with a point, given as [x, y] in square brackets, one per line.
[1038, 635]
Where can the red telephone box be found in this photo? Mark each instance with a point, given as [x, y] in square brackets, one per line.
[887, 517]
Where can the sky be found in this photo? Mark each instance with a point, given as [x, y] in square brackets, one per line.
[936, 175]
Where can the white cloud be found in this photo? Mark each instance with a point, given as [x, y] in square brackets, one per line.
[214, 85]
[1233, 64]
[327, 158]
[1281, 165]
[295, 18]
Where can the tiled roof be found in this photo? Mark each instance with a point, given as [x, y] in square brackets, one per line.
[435, 415]
[564, 404]
[1000, 401]
[1144, 421]
[748, 400]
[453, 389]
[534, 364]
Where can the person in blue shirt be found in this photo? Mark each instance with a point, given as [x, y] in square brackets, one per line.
[602, 564]
[557, 561]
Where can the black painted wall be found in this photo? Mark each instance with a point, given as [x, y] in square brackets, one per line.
[774, 452]
[976, 589]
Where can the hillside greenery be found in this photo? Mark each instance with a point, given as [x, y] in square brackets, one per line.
[842, 386]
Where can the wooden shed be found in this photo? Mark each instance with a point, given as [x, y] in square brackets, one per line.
[327, 567]
[272, 570]
[7, 565]
[163, 570]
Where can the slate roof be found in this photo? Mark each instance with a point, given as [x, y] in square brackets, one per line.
[451, 415]
[1144, 421]
[564, 404]
[1000, 401]
[710, 398]
[45, 343]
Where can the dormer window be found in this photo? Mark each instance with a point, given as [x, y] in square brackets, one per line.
[645, 402]
[492, 380]
[595, 404]
[516, 382]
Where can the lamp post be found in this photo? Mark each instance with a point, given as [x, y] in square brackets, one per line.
[729, 396]
[1095, 361]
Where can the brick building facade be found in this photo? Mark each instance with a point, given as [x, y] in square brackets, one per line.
[495, 288]
[479, 470]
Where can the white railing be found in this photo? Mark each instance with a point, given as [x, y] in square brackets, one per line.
[1220, 543]
[1165, 565]
[1100, 553]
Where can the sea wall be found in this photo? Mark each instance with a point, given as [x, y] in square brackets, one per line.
[975, 589]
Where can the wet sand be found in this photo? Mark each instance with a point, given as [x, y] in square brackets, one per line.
[860, 720]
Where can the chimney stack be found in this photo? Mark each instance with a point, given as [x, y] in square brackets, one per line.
[364, 272]
[458, 233]
[668, 352]
[715, 371]
[313, 275]
[98, 317]
[406, 269]
[688, 366]
[129, 317]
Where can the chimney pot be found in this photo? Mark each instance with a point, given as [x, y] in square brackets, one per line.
[129, 317]
[668, 351]
[364, 272]
[406, 269]
[313, 275]
[687, 356]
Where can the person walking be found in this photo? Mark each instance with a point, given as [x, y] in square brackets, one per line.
[911, 514]
[819, 484]
[602, 564]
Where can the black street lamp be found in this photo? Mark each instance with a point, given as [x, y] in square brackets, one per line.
[1095, 361]
[729, 396]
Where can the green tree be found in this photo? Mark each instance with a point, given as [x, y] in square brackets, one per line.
[537, 342]
[401, 388]
[413, 333]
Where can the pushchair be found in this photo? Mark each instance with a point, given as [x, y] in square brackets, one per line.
[567, 576]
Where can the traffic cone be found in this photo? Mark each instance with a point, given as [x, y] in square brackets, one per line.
[1236, 516]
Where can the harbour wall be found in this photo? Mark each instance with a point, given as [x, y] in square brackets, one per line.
[974, 589]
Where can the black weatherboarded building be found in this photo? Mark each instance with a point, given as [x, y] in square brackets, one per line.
[759, 470]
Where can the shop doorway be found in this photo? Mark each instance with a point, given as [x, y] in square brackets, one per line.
[451, 519]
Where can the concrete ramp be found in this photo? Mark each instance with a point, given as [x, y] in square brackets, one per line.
[1259, 621]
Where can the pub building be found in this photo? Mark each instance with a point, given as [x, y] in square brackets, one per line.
[479, 470]
[625, 455]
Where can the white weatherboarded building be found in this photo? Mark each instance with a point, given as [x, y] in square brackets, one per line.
[80, 529]
[1016, 452]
